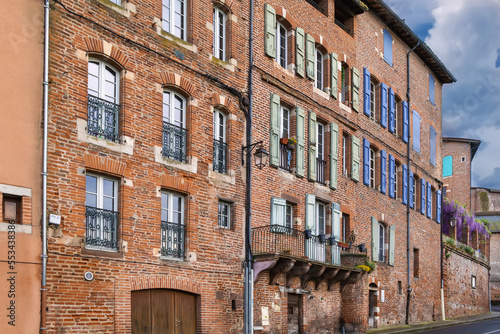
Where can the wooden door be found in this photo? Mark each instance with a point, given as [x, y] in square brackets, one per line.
[293, 308]
[141, 312]
[185, 313]
[162, 311]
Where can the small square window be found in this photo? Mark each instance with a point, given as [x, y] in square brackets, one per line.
[12, 208]
[400, 288]
[473, 281]
[224, 215]
[464, 159]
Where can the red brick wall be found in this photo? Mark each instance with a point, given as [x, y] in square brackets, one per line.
[458, 184]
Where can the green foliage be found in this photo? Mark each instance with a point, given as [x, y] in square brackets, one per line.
[447, 255]
[469, 250]
[484, 201]
[450, 241]
[371, 265]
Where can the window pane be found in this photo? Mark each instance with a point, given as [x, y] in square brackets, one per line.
[166, 107]
[108, 203]
[108, 188]
[93, 78]
[178, 111]
[166, 15]
[91, 200]
[91, 184]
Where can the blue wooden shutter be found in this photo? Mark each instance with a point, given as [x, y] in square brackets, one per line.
[392, 167]
[438, 206]
[310, 211]
[392, 240]
[270, 30]
[366, 162]
[366, 93]
[388, 47]
[406, 122]
[383, 105]
[432, 83]
[392, 119]
[411, 189]
[383, 172]
[447, 165]
[405, 184]
[422, 196]
[278, 211]
[429, 200]
[433, 145]
[300, 53]
[274, 141]
[416, 131]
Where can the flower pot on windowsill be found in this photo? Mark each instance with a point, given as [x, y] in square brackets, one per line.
[321, 238]
[284, 141]
[308, 234]
[291, 146]
[331, 240]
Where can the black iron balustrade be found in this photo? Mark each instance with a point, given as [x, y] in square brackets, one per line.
[172, 240]
[102, 118]
[320, 170]
[285, 157]
[100, 228]
[174, 142]
[219, 158]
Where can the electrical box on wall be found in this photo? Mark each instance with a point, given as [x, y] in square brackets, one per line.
[55, 219]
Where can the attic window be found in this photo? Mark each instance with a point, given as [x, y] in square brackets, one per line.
[321, 5]
[464, 159]
[12, 209]
[344, 18]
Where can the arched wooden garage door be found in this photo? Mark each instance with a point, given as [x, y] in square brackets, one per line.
[162, 311]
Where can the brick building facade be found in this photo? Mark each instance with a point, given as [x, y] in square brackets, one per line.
[146, 126]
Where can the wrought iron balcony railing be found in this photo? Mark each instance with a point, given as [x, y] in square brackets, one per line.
[219, 158]
[172, 240]
[100, 228]
[320, 170]
[285, 157]
[174, 142]
[102, 118]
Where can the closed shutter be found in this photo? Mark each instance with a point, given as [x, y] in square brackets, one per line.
[355, 89]
[278, 211]
[270, 41]
[392, 240]
[405, 184]
[334, 141]
[312, 146]
[375, 239]
[422, 196]
[411, 189]
[310, 57]
[300, 142]
[336, 215]
[274, 141]
[355, 158]
[392, 118]
[383, 172]
[366, 162]
[392, 183]
[383, 105]
[433, 145]
[432, 83]
[300, 51]
[334, 73]
[310, 211]
[367, 92]
[406, 120]
[438, 206]
[416, 131]
[429, 200]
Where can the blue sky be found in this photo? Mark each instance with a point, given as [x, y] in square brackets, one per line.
[465, 35]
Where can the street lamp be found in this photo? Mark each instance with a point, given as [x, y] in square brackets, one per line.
[261, 155]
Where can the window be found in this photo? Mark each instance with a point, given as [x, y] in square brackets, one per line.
[224, 215]
[397, 167]
[101, 201]
[103, 108]
[220, 145]
[219, 47]
[388, 47]
[344, 18]
[464, 159]
[414, 193]
[172, 225]
[174, 17]
[320, 154]
[397, 108]
[416, 263]
[174, 123]
[400, 288]
[381, 242]
[372, 168]
[281, 215]
[117, 2]
[373, 104]
[432, 84]
[345, 227]
[432, 135]
[345, 84]
[282, 45]
[285, 133]
[473, 281]
[289, 216]
[320, 5]
[447, 166]
[320, 218]
[12, 208]
[416, 131]
[345, 154]
[319, 69]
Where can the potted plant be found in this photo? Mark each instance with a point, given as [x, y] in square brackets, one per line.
[331, 240]
[321, 238]
[308, 233]
[291, 143]
[284, 141]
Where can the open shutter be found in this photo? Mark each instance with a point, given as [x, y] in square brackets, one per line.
[392, 166]
[278, 211]
[383, 172]
[355, 158]
[406, 124]
[355, 89]
[310, 211]
[405, 184]
[392, 119]
[432, 135]
[334, 73]
[366, 91]
[422, 196]
[300, 43]
[438, 206]
[366, 162]
[416, 131]
[334, 147]
[411, 189]
[383, 105]
[312, 146]
[392, 240]
[300, 151]
[270, 42]
[375, 239]
[274, 141]
[429, 200]
[310, 59]
[336, 221]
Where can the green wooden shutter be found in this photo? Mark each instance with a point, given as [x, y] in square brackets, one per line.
[334, 74]
[355, 158]
[310, 211]
[355, 89]
[278, 211]
[300, 45]
[336, 221]
[392, 240]
[334, 153]
[270, 41]
[274, 141]
[310, 57]
[300, 151]
[375, 245]
[312, 146]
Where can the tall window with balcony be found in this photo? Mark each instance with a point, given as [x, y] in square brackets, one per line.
[320, 154]
[103, 108]
[219, 43]
[281, 45]
[172, 225]
[174, 126]
[174, 17]
[220, 145]
[101, 202]
[285, 134]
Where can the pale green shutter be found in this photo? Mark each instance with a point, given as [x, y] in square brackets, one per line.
[300, 151]
[336, 221]
[300, 44]
[334, 74]
[355, 89]
[270, 41]
[274, 141]
[312, 146]
[375, 245]
[392, 239]
[310, 57]
[355, 158]
[310, 211]
[334, 154]
[278, 211]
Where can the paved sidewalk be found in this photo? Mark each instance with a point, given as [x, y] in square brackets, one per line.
[426, 326]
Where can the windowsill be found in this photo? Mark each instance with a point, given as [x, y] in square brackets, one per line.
[179, 41]
[321, 93]
[190, 166]
[219, 177]
[289, 70]
[345, 107]
[127, 146]
[18, 228]
[388, 62]
[102, 252]
[168, 258]
[290, 175]
[125, 9]
[230, 65]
